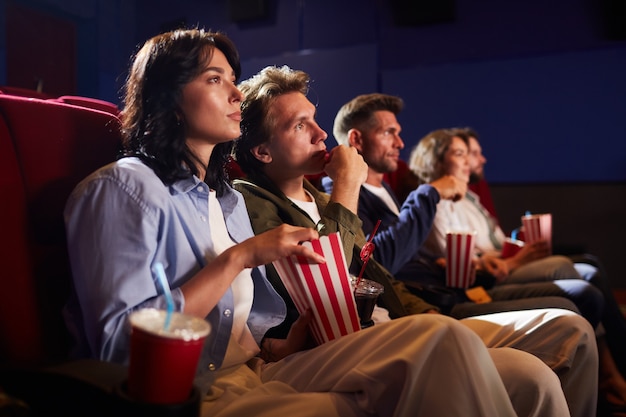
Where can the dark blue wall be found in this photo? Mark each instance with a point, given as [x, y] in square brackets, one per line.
[557, 117]
[539, 79]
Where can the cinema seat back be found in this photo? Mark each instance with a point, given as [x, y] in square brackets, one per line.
[91, 103]
[46, 148]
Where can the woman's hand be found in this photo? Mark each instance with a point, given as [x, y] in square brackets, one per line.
[204, 290]
[497, 267]
[531, 252]
[277, 243]
[273, 350]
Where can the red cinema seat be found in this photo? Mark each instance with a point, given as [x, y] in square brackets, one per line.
[24, 92]
[46, 148]
[91, 103]
[18, 307]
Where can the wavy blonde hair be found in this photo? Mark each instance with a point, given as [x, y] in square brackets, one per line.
[427, 157]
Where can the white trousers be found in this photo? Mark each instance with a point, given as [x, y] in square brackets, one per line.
[423, 365]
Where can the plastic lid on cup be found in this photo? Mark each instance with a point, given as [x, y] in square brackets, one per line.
[367, 286]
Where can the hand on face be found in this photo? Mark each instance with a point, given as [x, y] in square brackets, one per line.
[450, 188]
[346, 166]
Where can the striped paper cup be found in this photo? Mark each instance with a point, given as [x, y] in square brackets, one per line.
[537, 227]
[459, 254]
[324, 288]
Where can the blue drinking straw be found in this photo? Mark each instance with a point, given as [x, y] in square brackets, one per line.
[160, 273]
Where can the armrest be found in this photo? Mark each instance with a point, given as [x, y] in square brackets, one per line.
[84, 387]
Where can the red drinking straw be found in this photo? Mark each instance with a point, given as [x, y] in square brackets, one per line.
[366, 252]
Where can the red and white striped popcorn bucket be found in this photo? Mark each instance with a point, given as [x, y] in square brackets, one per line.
[324, 288]
[459, 254]
[537, 227]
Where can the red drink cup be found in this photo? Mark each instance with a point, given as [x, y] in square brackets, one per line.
[537, 227]
[510, 247]
[459, 254]
[163, 362]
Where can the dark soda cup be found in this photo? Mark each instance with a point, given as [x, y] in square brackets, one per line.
[365, 296]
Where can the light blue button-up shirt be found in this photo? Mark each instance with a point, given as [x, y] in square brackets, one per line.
[120, 221]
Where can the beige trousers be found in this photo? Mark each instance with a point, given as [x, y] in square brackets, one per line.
[562, 339]
[423, 365]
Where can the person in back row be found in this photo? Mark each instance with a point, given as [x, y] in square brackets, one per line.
[281, 143]
[446, 151]
[368, 123]
[588, 266]
[167, 201]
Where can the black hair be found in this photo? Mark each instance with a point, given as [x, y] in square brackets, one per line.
[153, 125]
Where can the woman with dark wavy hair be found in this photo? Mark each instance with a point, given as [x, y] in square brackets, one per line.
[153, 119]
[166, 201]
